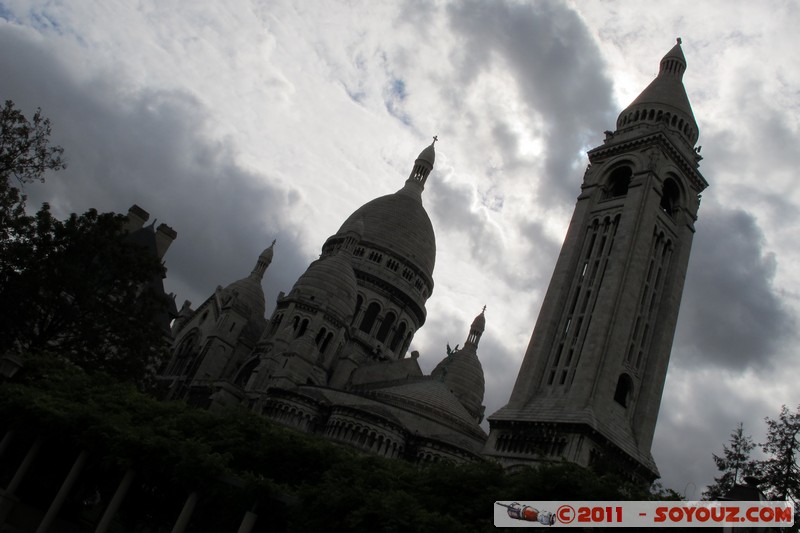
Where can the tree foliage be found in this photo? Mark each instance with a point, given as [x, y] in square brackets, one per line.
[780, 471]
[734, 464]
[79, 288]
[82, 292]
[25, 150]
[299, 482]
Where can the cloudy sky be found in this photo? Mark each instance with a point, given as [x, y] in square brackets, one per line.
[242, 121]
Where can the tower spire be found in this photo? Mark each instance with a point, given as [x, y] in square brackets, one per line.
[664, 102]
[476, 329]
[423, 166]
[264, 260]
[462, 372]
[590, 383]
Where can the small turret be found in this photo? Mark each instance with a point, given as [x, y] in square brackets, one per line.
[422, 167]
[664, 101]
[263, 262]
[462, 372]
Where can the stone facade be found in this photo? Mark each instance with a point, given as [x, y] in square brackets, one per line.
[332, 359]
[590, 384]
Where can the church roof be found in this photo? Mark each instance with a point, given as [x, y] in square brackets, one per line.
[428, 154]
[249, 292]
[331, 283]
[398, 222]
[427, 397]
[666, 91]
[461, 372]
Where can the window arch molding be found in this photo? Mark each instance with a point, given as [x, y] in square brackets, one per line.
[370, 316]
[617, 178]
[623, 394]
[672, 196]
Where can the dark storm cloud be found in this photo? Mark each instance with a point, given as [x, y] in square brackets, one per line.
[147, 148]
[732, 316]
[691, 428]
[558, 69]
[450, 204]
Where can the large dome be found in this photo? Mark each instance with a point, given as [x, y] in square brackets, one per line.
[398, 222]
[330, 281]
[249, 294]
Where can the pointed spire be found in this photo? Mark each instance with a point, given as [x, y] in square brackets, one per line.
[674, 62]
[263, 262]
[423, 166]
[664, 101]
[476, 329]
[462, 372]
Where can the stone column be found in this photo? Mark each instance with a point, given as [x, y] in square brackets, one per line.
[248, 522]
[58, 501]
[7, 438]
[7, 499]
[406, 344]
[13, 485]
[186, 514]
[115, 502]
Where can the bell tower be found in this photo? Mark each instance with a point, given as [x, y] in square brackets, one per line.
[590, 385]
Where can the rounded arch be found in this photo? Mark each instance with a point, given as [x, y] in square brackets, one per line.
[370, 315]
[398, 336]
[303, 327]
[188, 349]
[243, 375]
[359, 303]
[189, 340]
[624, 391]
[386, 326]
[670, 196]
[619, 180]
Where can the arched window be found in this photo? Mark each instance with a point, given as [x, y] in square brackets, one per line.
[398, 336]
[359, 303]
[185, 354]
[387, 324]
[302, 330]
[243, 376]
[618, 182]
[320, 336]
[325, 343]
[670, 194]
[622, 395]
[369, 317]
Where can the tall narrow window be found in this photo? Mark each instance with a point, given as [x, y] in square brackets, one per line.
[359, 303]
[398, 336]
[387, 324]
[369, 317]
[622, 394]
[618, 182]
[670, 195]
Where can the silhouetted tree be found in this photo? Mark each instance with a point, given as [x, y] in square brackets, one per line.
[81, 291]
[25, 155]
[780, 471]
[25, 150]
[734, 464]
[75, 288]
